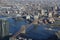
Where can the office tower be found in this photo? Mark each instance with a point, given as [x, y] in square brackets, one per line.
[4, 28]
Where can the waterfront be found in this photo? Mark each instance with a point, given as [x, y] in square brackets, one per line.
[35, 32]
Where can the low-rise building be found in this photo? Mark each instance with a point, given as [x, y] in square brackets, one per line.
[52, 20]
[36, 17]
[28, 17]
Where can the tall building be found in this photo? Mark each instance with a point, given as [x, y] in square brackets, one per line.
[42, 12]
[0, 29]
[4, 28]
[50, 14]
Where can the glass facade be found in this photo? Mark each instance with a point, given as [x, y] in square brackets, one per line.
[4, 28]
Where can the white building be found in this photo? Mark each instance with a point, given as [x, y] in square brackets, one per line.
[50, 14]
[36, 16]
[18, 15]
[56, 7]
[5, 7]
[51, 20]
[42, 12]
[28, 17]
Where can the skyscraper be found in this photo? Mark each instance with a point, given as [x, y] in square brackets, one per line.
[4, 28]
